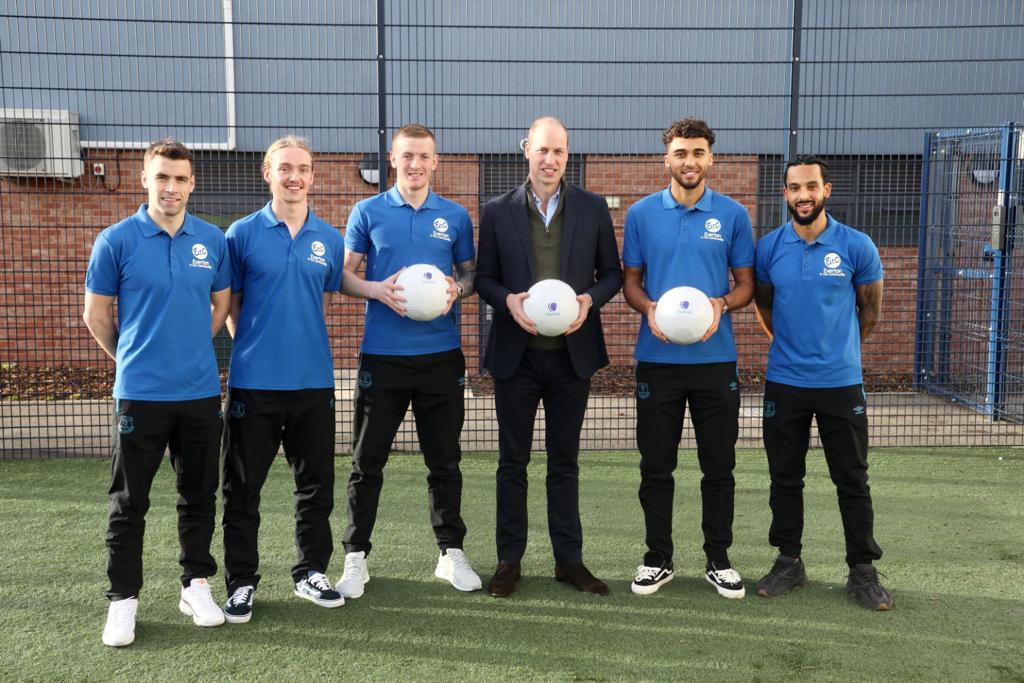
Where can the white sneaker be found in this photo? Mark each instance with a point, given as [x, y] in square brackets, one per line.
[316, 588]
[197, 602]
[120, 627]
[453, 567]
[351, 583]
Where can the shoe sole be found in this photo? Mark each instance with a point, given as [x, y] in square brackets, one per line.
[187, 610]
[465, 589]
[653, 588]
[727, 592]
[765, 594]
[882, 607]
[320, 602]
[118, 644]
[237, 618]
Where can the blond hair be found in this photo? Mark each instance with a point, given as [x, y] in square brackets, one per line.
[284, 143]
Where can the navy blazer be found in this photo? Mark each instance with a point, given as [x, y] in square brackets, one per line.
[589, 264]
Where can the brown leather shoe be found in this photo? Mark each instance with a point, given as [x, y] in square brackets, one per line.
[581, 577]
[503, 583]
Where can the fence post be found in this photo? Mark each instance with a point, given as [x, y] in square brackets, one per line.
[794, 79]
[382, 103]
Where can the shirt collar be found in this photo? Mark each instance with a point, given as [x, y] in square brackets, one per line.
[270, 219]
[553, 198]
[703, 204]
[149, 227]
[394, 198]
[827, 236]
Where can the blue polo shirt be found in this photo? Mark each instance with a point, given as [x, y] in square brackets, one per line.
[393, 235]
[694, 247]
[163, 285]
[814, 309]
[281, 337]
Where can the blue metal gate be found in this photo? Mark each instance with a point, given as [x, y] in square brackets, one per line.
[970, 288]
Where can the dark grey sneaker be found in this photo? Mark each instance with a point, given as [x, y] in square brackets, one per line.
[786, 574]
[863, 584]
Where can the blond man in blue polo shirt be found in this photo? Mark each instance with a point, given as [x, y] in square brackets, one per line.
[819, 292]
[286, 263]
[170, 274]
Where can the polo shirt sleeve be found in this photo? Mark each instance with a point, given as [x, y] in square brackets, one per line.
[741, 252]
[357, 233]
[463, 250]
[867, 264]
[236, 250]
[632, 252]
[333, 281]
[763, 253]
[222, 279]
[103, 275]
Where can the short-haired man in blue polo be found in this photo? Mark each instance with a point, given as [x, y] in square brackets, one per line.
[405, 361]
[170, 274]
[687, 234]
[286, 263]
[819, 292]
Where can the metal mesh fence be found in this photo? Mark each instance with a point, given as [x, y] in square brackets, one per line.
[86, 84]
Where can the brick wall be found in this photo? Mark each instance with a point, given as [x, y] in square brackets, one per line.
[47, 228]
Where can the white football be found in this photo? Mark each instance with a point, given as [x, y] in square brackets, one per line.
[425, 290]
[552, 306]
[684, 314]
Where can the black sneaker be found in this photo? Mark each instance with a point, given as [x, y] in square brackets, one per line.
[863, 584]
[786, 574]
[649, 579]
[238, 608]
[726, 581]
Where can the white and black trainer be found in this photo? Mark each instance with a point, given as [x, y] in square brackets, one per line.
[726, 581]
[316, 588]
[238, 608]
[649, 579]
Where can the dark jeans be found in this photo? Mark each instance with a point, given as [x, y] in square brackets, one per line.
[259, 421]
[542, 376]
[712, 392]
[434, 385]
[143, 430]
[843, 425]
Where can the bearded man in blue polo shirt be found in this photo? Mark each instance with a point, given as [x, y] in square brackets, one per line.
[170, 274]
[404, 361]
[819, 292]
[687, 234]
[286, 263]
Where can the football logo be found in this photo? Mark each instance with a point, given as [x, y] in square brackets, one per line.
[832, 260]
[199, 251]
[441, 225]
[713, 225]
[552, 306]
[684, 304]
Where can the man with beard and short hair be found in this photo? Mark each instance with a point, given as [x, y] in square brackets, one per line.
[544, 229]
[819, 292]
[286, 263]
[688, 234]
[164, 267]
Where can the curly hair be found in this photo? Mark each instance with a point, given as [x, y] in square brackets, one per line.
[688, 128]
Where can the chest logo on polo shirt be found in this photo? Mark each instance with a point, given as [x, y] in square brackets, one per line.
[712, 227]
[199, 256]
[441, 230]
[833, 266]
[318, 250]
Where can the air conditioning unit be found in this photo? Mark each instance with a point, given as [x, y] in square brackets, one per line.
[40, 142]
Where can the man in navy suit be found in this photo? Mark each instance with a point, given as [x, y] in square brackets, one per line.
[540, 230]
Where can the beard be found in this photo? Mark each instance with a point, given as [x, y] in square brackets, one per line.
[690, 185]
[809, 218]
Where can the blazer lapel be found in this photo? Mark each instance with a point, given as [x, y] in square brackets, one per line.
[568, 229]
[521, 222]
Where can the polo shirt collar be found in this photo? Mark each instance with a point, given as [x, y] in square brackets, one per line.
[827, 236]
[394, 198]
[270, 219]
[703, 204]
[149, 228]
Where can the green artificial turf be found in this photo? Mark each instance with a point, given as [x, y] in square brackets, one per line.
[951, 523]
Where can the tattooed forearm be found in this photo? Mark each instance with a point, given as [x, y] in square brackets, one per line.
[464, 274]
[869, 307]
